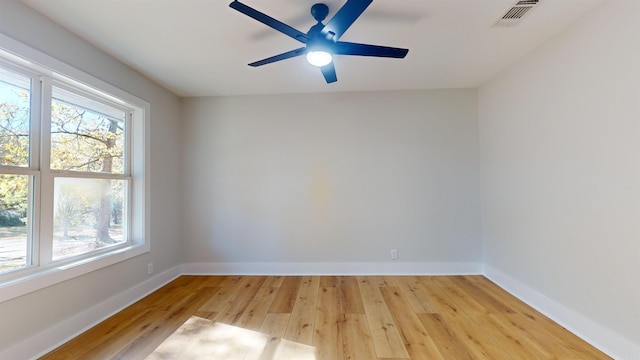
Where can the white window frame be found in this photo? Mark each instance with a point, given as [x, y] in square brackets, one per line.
[32, 168]
[43, 272]
[49, 175]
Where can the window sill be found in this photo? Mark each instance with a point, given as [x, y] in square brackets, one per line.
[50, 276]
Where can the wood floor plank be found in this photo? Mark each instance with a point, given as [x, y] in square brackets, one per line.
[206, 314]
[417, 340]
[196, 282]
[210, 281]
[165, 302]
[178, 344]
[474, 336]
[275, 326]
[489, 302]
[415, 295]
[273, 281]
[386, 337]
[328, 332]
[286, 297]
[227, 342]
[301, 324]
[382, 281]
[288, 350]
[329, 318]
[349, 294]
[356, 337]
[254, 314]
[329, 281]
[237, 301]
[227, 289]
[445, 339]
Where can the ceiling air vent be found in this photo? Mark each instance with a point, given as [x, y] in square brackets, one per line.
[514, 15]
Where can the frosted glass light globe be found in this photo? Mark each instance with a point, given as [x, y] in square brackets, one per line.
[319, 58]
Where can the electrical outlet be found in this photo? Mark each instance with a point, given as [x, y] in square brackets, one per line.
[150, 269]
[394, 254]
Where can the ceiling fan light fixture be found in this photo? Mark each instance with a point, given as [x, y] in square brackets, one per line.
[322, 41]
[319, 58]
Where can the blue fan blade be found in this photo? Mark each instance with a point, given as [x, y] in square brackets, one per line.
[348, 48]
[343, 19]
[269, 21]
[283, 56]
[329, 72]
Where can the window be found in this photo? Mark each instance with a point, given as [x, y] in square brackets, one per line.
[16, 176]
[88, 166]
[72, 172]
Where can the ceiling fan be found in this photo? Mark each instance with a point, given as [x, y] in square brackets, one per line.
[322, 41]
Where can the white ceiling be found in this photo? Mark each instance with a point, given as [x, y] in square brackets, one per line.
[202, 47]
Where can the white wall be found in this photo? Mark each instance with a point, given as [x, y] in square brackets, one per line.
[560, 158]
[22, 318]
[335, 179]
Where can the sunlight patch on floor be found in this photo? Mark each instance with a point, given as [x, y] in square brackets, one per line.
[200, 338]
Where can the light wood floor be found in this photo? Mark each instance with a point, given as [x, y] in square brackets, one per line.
[328, 318]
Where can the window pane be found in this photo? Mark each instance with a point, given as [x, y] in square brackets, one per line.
[89, 214]
[86, 135]
[14, 232]
[15, 114]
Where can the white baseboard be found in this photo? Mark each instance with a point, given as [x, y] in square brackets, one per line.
[49, 339]
[595, 334]
[387, 268]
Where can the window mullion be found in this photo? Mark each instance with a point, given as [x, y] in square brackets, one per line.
[33, 217]
[129, 144]
[88, 175]
[46, 178]
[35, 127]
